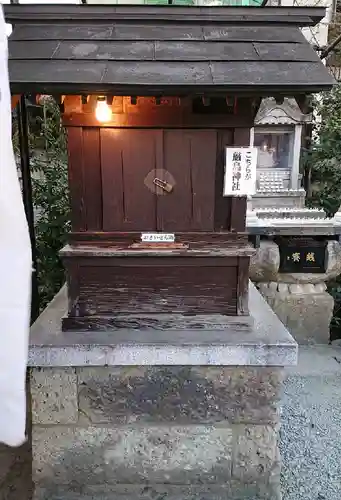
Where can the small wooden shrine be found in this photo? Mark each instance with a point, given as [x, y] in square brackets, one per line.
[151, 99]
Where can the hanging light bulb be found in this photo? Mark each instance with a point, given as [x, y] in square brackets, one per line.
[103, 111]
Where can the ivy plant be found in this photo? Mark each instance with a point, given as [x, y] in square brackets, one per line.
[48, 162]
[324, 163]
[324, 158]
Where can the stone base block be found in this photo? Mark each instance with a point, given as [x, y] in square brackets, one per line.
[157, 414]
[156, 432]
[305, 309]
[235, 490]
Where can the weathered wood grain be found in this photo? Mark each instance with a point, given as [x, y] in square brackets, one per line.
[156, 288]
[76, 178]
[157, 322]
[194, 239]
[222, 209]
[92, 178]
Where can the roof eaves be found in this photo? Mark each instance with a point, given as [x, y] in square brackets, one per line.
[45, 13]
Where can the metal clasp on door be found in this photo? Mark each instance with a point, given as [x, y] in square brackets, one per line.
[163, 185]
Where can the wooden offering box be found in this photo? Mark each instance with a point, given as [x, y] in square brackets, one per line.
[156, 167]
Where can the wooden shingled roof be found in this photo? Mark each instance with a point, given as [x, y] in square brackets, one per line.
[175, 50]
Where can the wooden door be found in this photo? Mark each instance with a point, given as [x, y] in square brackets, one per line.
[132, 159]
[189, 161]
[112, 172]
[127, 157]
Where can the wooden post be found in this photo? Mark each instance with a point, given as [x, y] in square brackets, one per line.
[27, 198]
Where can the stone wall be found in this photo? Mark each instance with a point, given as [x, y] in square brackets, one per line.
[162, 432]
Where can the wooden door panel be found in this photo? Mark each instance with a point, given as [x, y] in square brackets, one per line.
[92, 178]
[174, 209]
[112, 180]
[189, 156]
[222, 215]
[127, 156]
[203, 165]
[76, 178]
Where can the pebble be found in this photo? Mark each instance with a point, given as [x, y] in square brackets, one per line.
[310, 438]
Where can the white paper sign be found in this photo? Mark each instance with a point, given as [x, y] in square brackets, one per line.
[240, 171]
[158, 237]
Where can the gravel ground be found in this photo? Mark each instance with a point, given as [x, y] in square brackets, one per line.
[311, 427]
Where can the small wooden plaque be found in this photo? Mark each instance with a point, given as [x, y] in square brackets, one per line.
[159, 246]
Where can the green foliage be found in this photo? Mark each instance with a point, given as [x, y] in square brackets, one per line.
[51, 201]
[324, 159]
[50, 195]
[324, 164]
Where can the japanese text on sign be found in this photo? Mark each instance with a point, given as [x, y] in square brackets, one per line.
[298, 256]
[240, 171]
[158, 237]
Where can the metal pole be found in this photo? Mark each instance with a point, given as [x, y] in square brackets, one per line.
[27, 198]
[27, 194]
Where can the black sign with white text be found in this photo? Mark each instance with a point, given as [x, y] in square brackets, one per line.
[304, 255]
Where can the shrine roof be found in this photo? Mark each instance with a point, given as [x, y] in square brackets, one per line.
[144, 50]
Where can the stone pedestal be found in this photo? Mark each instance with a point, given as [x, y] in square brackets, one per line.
[305, 309]
[158, 414]
[300, 300]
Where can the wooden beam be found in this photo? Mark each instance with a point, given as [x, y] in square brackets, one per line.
[72, 104]
[161, 117]
[304, 103]
[14, 101]
[255, 103]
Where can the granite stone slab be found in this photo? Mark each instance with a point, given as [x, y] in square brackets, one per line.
[131, 455]
[266, 343]
[54, 396]
[233, 490]
[181, 394]
[256, 453]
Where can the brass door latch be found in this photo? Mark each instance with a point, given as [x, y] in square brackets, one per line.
[163, 185]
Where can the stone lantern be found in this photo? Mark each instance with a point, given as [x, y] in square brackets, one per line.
[299, 248]
[278, 134]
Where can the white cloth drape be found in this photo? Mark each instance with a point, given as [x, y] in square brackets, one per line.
[15, 273]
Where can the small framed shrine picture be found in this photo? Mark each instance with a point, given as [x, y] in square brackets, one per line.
[240, 171]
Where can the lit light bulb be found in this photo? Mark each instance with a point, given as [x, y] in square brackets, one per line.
[103, 111]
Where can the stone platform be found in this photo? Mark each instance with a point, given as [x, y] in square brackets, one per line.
[158, 414]
[300, 300]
